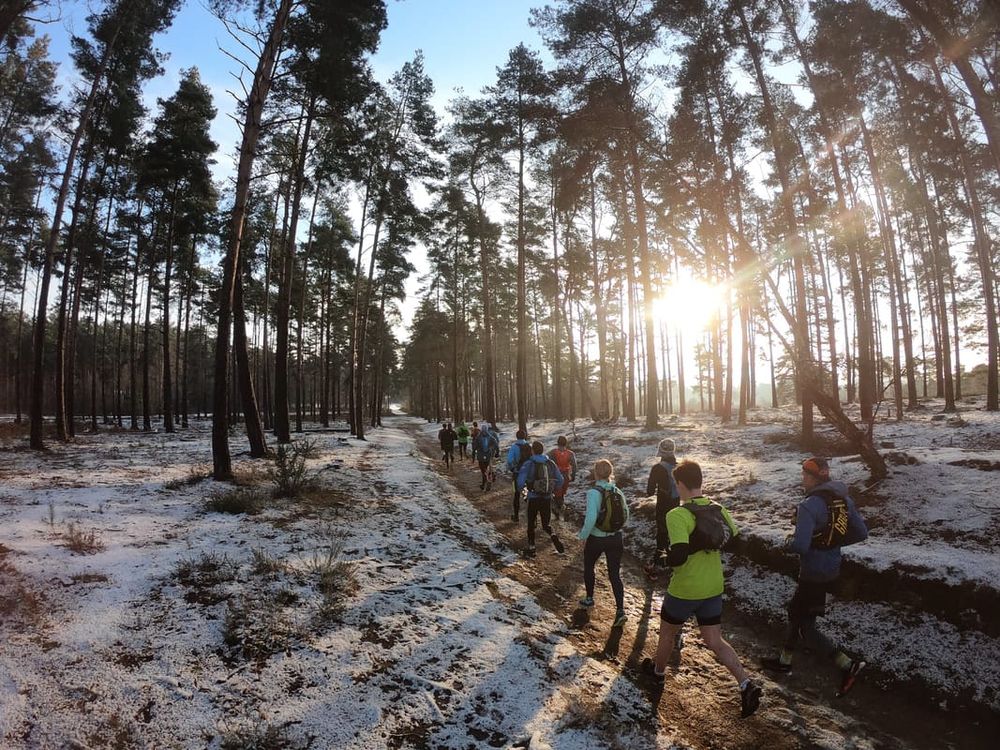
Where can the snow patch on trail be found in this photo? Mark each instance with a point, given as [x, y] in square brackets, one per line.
[936, 518]
[436, 648]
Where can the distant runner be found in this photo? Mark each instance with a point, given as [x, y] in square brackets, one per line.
[539, 477]
[484, 447]
[698, 530]
[661, 483]
[606, 515]
[565, 459]
[824, 522]
[447, 437]
[517, 454]
[473, 434]
[463, 439]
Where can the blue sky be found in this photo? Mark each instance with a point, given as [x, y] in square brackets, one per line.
[463, 41]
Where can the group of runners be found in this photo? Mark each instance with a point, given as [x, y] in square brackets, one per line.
[691, 532]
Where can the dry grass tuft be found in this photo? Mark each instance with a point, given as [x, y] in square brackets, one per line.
[266, 565]
[195, 474]
[249, 500]
[82, 542]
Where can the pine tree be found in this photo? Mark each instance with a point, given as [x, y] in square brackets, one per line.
[176, 169]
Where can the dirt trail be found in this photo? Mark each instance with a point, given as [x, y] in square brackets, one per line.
[699, 701]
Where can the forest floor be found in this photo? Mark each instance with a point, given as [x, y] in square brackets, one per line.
[389, 605]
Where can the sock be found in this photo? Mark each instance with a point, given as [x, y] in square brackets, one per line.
[785, 657]
[843, 660]
[743, 685]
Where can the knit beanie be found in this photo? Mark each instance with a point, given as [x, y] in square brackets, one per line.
[817, 467]
[666, 448]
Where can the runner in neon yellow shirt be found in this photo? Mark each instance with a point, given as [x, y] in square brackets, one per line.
[696, 585]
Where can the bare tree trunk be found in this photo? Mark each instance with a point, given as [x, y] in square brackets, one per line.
[168, 388]
[282, 428]
[222, 462]
[793, 240]
[38, 358]
[64, 379]
[489, 393]
[982, 242]
[299, 386]
[244, 377]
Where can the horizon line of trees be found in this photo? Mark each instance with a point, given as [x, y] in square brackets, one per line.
[861, 261]
[565, 204]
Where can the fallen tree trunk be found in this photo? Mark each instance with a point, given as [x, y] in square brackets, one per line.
[810, 379]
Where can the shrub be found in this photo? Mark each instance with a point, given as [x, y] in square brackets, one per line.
[306, 448]
[289, 472]
[194, 475]
[256, 625]
[335, 579]
[256, 736]
[265, 564]
[238, 500]
[82, 542]
[206, 571]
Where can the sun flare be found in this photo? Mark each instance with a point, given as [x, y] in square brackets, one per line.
[690, 304]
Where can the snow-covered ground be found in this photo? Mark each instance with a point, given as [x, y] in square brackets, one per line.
[127, 646]
[935, 519]
[374, 611]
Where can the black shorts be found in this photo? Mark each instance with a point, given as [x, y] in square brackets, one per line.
[809, 599]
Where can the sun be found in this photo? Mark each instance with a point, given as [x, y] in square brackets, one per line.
[690, 304]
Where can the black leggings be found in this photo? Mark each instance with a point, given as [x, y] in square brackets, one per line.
[808, 603]
[536, 506]
[612, 547]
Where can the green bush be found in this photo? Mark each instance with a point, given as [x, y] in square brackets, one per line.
[289, 472]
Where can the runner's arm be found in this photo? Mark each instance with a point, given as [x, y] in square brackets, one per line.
[522, 476]
[679, 533]
[805, 524]
[593, 500]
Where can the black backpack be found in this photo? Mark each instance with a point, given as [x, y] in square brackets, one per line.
[483, 446]
[711, 532]
[834, 532]
[524, 453]
[611, 512]
[543, 482]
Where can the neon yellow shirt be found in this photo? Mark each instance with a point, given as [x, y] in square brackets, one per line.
[701, 576]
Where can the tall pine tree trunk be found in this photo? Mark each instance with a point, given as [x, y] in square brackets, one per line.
[282, 428]
[244, 376]
[41, 317]
[794, 243]
[263, 76]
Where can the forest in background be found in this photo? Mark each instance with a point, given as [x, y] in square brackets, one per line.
[562, 209]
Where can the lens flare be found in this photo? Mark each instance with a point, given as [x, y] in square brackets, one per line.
[690, 304]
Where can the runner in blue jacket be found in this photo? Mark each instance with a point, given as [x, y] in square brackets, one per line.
[540, 478]
[824, 522]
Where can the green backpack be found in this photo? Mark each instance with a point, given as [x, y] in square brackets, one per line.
[543, 483]
[611, 511]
